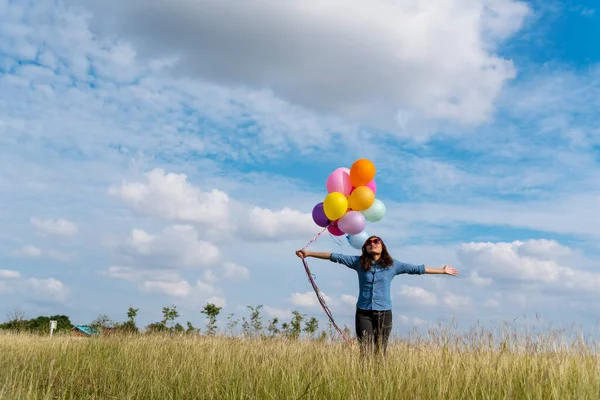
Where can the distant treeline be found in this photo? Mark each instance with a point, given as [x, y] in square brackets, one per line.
[253, 325]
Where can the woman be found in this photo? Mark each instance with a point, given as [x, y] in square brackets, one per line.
[376, 269]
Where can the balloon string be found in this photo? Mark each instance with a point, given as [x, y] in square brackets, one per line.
[314, 239]
[316, 288]
[337, 240]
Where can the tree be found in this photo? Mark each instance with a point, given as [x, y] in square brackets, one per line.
[169, 315]
[294, 327]
[129, 326]
[17, 315]
[16, 321]
[211, 312]
[131, 314]
[40, 325]
[166, 324]
[103, 321]
[296, 324]
[231, 323]
[272, 328]
[155, 327]
[285, 329]
[191, 328]
[255, 326]
[311, 326]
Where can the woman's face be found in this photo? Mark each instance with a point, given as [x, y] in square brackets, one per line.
[373, 245]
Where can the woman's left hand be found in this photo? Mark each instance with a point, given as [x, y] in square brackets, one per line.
[448, 270]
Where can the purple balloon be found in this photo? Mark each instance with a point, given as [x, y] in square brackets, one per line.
[318, 215]
[353, 222]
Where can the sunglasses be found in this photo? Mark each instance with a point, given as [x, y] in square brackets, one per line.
[373, 241]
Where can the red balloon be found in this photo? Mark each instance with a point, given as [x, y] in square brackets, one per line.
[335, 230]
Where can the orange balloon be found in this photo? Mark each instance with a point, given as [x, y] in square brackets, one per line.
[361, 198]
[362, 172]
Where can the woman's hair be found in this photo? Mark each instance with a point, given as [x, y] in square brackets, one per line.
[365, 258]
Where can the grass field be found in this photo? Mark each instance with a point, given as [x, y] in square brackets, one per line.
[443, 366]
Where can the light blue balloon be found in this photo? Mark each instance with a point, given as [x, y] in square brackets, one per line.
[376, 212]
[358, 240]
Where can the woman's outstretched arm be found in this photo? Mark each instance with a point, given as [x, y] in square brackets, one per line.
[446, 269]
[347, 260]
[315, 254]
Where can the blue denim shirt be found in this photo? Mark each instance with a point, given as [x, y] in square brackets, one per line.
[374, 285]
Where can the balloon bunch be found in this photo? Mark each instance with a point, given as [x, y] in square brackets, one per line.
[350, 202]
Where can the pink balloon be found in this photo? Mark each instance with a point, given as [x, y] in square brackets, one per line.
[335, 230]
[339, 181]
[371, 185]
[353, 222]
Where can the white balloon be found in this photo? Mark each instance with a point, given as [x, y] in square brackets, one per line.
[376, 212]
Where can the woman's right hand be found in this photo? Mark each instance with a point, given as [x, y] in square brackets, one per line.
[302, 253]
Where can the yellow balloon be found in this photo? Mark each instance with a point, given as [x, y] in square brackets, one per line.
[335, 205]
[361, 198]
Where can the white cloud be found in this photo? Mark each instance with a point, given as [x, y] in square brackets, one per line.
[48, 288]
[44, 289]
[544, 249]
[404, 320]
[378, 57]
[286, 223]
[491, 303]
[119, 272]
[129, 273]
[538, 262]
[176, 289]
[5, 288]
[175, 246]
[169, 283]
[417, 295]
[30, 251]
[475, 279]
[348, 299]
[155, 261]
[8, 274]
[206, 289]
[278, 312]
[209, 277]
[457, 301]
[170, 196]
[60, 227]
[236, 272]
[218, 301]
[309, 299]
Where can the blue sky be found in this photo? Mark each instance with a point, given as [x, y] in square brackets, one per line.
[172, 155]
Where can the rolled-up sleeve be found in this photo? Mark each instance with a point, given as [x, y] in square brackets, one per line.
[411, 269]
[347, 260]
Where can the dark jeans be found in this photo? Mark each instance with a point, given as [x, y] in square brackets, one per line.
[373, 329]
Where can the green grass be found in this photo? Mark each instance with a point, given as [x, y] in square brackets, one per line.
[443, 366]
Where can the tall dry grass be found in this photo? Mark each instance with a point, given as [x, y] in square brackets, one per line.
[479, 365]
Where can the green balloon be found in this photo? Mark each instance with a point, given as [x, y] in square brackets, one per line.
[376, 212]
